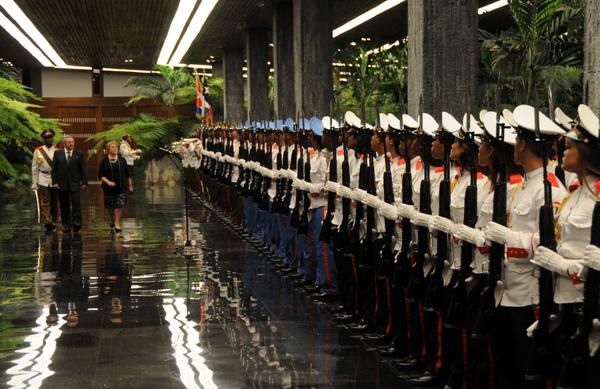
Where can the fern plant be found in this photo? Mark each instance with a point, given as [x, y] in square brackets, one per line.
[147, 131]
[174, 87]
[20, 130]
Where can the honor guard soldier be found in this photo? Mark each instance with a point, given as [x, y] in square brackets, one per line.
[518, 295]
[41, 180]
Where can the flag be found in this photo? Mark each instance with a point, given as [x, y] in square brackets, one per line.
[203, 109]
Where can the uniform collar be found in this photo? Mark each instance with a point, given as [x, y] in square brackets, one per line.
[534, 174]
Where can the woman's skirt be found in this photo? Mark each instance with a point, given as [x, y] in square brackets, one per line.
[117, 201]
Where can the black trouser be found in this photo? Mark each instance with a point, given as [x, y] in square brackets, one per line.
[510, 345]
[70, 208]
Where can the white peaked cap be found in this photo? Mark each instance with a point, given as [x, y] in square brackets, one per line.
[383, 121]
[525, 117]
[562, 119]
[482, 115]
[450, 124]
[430, 125]
[510, 119]
[394, 122]
[329, 123]
[352, 120]
[474, 126]
[369, 126]
[409, 122]
[589, 122]
[489, 123]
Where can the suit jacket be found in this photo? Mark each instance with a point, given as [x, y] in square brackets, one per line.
[69, 176]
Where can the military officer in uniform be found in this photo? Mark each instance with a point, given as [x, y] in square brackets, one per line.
[41, 180]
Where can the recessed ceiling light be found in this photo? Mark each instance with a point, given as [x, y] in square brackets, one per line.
[27, 26]
[24, 41]
[184, 10]
[194, 27]
[360, 19]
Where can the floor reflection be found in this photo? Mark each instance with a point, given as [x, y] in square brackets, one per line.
[99, 310]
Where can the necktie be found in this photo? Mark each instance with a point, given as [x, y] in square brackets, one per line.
[68, 157]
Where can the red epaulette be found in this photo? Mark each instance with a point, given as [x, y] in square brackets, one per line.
[418, 165]
[341, 152]
[401, 162]
[574, 186]
[553, 180]
[439, 169]
[481, 176]
[515, 179]
[598, 187]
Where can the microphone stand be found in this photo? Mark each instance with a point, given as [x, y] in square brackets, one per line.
[187, 249]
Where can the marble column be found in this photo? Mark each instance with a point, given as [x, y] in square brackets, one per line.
[257, 47]
[313, 56]
[233, 90]
[591, 68]
[283, 59]
[442, 56]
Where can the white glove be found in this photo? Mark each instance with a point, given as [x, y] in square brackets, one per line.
[371, 201]
[552, 326]
[471, 235]
[496, 232]
[388, 211]
[34, 187]
[444, 225]
[555, 262]
[275, 174]
[313, 188]
[594, 338]
[296, 183]
[406, 211]
[360, 195]
[331, 186]
[346, 192]
[422, 219]
[591, 257]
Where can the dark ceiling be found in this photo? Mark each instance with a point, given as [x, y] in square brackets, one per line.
[106, 32]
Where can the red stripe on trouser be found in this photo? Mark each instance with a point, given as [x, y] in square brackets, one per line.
[408, 321]
[423, 340]
[491, 372]
[388, 329]
[356, 294]
[325, 255]
[376, 312]
[438, 360]
[465, 350]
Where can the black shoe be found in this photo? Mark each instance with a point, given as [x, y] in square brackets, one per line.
[295, 275]
[389, 352]
[408, 364]
[336, 308]
[312, 288]
[426, 380]
[322, 296]
[344, 318]
[362, 328]
[377, 338]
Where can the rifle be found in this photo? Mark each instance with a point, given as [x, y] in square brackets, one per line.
[280, 185]
[303, 228]
[343, 229]
[402, 260]
[267, 163]
[325, 235]
[433, 296]
[457, 314]
[416, 281]
[539, 369]
[288, 163]
[487, 302]
[355, 241]
[366, 244]
[299, 165]
[386, 254]
[560, 142]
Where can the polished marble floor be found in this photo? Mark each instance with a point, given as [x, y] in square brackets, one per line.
[105, 310]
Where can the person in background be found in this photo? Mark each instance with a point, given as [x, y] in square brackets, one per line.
[41, 180]
[69, 177]
[114, 174]
[127, 151]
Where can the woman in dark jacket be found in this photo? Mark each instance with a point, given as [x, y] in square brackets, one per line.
[116, 182]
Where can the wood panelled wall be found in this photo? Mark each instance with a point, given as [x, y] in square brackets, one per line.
[83, 117]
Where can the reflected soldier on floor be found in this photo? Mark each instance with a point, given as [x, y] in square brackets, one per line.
[71, 290]
[114, 281]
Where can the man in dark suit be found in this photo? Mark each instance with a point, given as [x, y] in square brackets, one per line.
[69, 177]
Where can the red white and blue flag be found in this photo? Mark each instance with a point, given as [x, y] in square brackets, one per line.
[203, 108]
